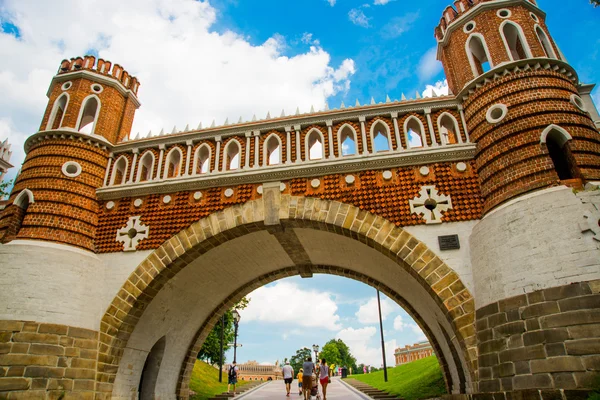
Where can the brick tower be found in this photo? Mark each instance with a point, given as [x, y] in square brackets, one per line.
[537, 146]
[91, 107]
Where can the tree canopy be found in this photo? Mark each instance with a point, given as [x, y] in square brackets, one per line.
[596, 3]
[297, 359]
[210, 351]
[4, 188]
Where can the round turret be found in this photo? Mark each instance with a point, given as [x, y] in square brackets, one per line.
[91, 107]
[521, 99]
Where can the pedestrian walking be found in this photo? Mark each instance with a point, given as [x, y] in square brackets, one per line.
[232, 376]
[324, 377]
[288, 377]
[308, 368]
[300, 375]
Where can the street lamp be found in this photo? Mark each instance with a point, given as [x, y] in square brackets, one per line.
[316, 350]
[236, 322]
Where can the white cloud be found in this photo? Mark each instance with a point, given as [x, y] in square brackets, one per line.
[358, 17]
[416, 330]
[369, 314]
[398, 25]
[285, 302]
[188, 72]
[382, 2]
[399, 323]
[429, 66]
[358, 342]
[440, 88]
[331, 2]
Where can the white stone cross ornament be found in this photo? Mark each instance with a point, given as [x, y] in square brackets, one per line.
[132, 233]
[430, 204]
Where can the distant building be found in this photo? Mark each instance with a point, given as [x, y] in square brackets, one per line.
[412, 353]
[253, 371]
[5, 154]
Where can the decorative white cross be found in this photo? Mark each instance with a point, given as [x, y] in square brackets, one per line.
[132, 233]
[430, 204]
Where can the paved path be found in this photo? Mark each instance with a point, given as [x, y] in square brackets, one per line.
[276, 390]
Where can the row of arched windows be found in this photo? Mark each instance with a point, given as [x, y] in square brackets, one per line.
[515, 42]
[88, 113]
[204, 161]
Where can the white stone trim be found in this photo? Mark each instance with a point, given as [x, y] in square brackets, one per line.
[83, 104]
[266, 150]
[97, 91]
[196, 159]
[141, 232]
[68, 164]
[441, 203]
[226, 159]
[168, 159]
[66, 86]
[506, 10]
[307, 148]
[488, 115]
[19, 200]
[578, 102]
[340, 142]
[141, 163]
[564, 135]
[466, 30]
[55, 111]
[470, 54]
[537, 29]
[521, 35]
[114, 170]
[423, 133]
[388, 133]
[455, 122]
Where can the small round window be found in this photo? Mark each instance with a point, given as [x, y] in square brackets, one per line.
[504, 13]
[96, 88]
[66, 85]
[496, 113]
[469, 27]
[534, 17]
[71, 169]
[578, 102]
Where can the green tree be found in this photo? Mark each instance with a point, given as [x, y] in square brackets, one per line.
[596, 3]
[331, 353]
[210, 351]
[297, 359]
[4, 188]
[347, 359]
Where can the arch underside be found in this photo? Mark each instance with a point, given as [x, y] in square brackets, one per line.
[181, 291]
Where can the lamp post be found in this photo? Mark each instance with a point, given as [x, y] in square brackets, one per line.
[316, 350]
[236, 322]
[385, 377]
[221, 353]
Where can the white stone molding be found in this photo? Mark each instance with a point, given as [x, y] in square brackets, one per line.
[110, 205]
[331, 154]
[424, 171]
[456, 128]
[282, 187]
[430, 204]
[248, 135]
[563, 138]
[461, 167]
[298, 144]
[470, 54]
[71, 169]
[521, 35]
[387, 132]
[108, 165]
[160, 160]
[188, 157]
[218, 154]
[197, 195]
[422, 133]
[82, 109]
[578, 102]
[55, 110]
[135, 152]
[24, 199]
[394, 116]
[256, 148]
[265, 149]
[168, 161]
[387, 175]
[138, 202]
[315, 183]
[544, 41]
[114, 170]
[259, 189]
[132, 233]
[167, 199]
[288, 145]
[340, 142]
[350, 179]
[314, 131]
[228, 192]
[496, 113]
[147, 154]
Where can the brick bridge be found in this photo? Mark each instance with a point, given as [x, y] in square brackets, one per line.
[476, 212]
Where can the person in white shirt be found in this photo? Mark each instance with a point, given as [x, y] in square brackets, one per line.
[288, 376]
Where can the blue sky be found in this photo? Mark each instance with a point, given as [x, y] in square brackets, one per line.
[199, 61]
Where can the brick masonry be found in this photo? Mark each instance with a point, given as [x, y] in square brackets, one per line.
[547, 339]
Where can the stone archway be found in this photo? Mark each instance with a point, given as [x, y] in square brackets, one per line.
[284, 217]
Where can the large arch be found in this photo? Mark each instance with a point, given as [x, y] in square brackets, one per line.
[397, 263]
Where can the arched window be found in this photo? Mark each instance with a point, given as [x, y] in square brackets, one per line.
[145, 167]
[88, 114]
[478, 54]
[414, 131]
[515, 43]
[380, 137]
[232, 155]
[58, 112]
[556, 140]
[347, 141]
[119, 170]
[546, 45]
[272, 150]
[149, 376]
[173, 164]
[448, 128]
[22, 201]
[314, 145]
[202, 159]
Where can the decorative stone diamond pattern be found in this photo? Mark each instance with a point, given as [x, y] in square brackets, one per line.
[132, 233]
[430, 204]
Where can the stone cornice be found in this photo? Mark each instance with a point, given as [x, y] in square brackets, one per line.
[68, 133]
[529, 64]
[96, 77]
[320, 118]
[307, 169]
[478, 9]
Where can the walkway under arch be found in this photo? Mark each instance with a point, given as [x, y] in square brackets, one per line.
[180, 290]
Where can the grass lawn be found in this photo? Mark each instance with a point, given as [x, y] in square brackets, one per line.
[205, 381]
[420, 379]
